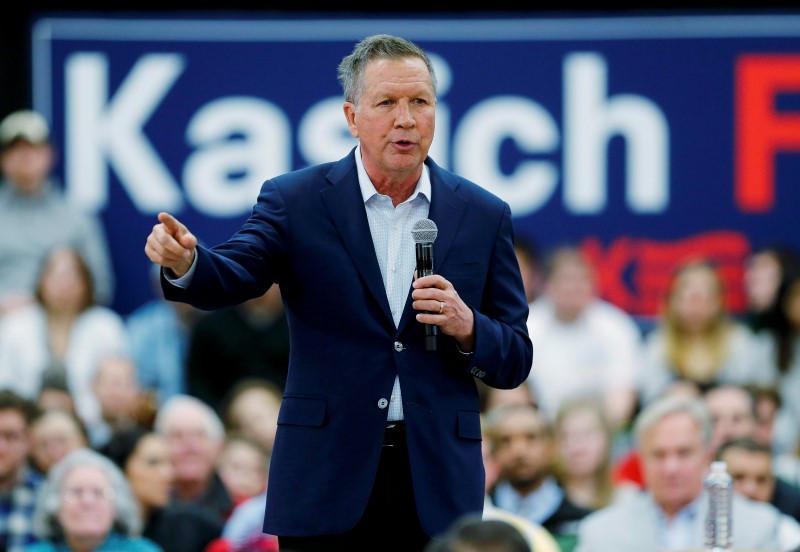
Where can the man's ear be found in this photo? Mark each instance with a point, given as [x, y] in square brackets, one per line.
[350, 114]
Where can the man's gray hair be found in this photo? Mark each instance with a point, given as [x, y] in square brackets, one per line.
[351, 69]
[177, 403]
[660, 408]
[48, 502]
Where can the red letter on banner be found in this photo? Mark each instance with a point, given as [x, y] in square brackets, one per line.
[761, 131]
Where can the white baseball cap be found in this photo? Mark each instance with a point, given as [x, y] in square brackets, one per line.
[24, 125]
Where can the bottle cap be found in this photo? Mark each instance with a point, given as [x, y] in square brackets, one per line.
[719, 466]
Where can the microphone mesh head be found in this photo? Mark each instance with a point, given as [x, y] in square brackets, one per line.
[424, 231]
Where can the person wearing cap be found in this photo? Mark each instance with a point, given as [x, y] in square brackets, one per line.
[35, 216]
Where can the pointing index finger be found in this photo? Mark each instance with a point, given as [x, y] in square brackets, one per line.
[170, 223]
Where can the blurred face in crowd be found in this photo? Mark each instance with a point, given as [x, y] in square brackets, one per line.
[762, 277]
[27, 165]
[150, 472]
[696, 298]
[519, 395]
[732, 415]
[767, 407]
[87, 506]
[55, 434]
[192, 447]
[791, 304]
[255, 413]
[531, 273]
[63, 285]
[674, 461]
[751, 472]
[53, 398]
[523, 448]
[14, 445]
[570, 285]
[583, 442]
[243, 468]
[116, 388]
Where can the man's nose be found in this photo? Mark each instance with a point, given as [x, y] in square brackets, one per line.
[404, 116]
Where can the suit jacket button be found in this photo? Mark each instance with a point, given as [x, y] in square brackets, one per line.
[398, 346]
[383, 403]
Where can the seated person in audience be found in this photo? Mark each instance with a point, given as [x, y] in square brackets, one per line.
[584, 344]
[784, 352]
[54, 392]
[249, 340]
[584, 442]
[242, 466]
[493, 397]
[472, 533]
[530, 267]
[55, 432]
[65, 331]
[19, 482]
[251, 408]
[159, 335]
[244, 530]
[195, 436]
[86, 505]
[143, 456]
[768, 405]
[674, 438]
[523, 449]
[35, 217]
[697, 340]
[733, 412]
[627, 470]
[750, 465]
[766, 270]
[122, 402]
[539, 538]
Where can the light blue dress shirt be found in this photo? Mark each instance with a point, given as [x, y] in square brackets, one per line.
[678, 533]
[390, 227]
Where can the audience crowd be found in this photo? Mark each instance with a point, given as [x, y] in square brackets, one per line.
[153, 430]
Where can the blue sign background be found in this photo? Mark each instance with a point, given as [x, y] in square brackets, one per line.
[683, 66]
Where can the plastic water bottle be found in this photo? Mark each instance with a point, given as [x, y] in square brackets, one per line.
[719, 487]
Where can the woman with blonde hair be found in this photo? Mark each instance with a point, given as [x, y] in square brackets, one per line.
[584, 439]
[698, 341]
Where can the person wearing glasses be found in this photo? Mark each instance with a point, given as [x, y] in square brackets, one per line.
[86, 505]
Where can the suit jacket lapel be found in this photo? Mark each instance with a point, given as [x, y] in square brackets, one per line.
[346, 208]
[447, 211]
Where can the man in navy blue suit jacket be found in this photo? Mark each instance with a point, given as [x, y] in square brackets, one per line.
[379, 439]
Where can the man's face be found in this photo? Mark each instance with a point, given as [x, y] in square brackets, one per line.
[571, 287]
[674, 461]
[192, 449]
[523, 449]
[731, 414]
[14, 443]
[395, 119]
[751, 472]
[26, 165]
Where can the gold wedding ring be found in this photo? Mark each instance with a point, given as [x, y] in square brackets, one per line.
[441, 307]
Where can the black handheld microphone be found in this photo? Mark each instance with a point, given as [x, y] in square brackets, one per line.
[424, 233]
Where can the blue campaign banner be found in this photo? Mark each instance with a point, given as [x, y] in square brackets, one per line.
[643, 139]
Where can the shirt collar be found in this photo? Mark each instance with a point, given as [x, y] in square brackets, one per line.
[368, 188]
[687, 512]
